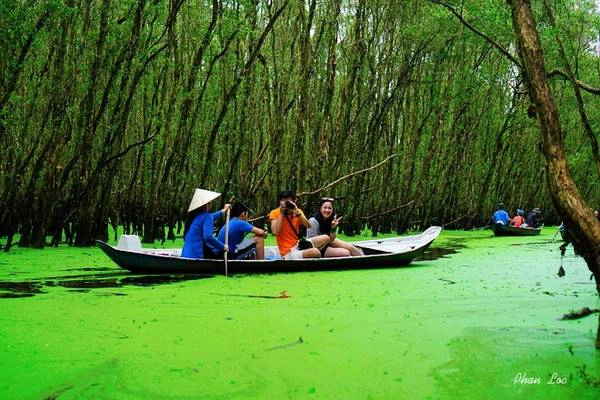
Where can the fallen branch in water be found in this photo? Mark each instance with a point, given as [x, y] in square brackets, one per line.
[584, 312]
[283, 346]
[446, 280]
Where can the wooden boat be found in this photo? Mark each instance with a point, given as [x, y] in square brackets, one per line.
[507, 230]
[384, 253]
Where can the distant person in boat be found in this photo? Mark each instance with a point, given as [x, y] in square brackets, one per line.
[199, 226]
[500, 216]
[534, 218]
[251, 247]
[567, 236]
[519, 218]
[564, 234]
[285, 225]
[325, 222]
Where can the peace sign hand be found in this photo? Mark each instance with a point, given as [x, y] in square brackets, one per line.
[336, 221]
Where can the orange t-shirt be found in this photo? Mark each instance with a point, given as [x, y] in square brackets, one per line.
[286, 239]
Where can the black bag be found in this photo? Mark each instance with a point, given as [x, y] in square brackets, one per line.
[303, 244]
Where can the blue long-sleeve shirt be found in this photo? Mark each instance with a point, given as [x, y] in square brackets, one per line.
[200, 234]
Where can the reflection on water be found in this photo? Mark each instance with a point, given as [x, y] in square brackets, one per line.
[15, 295]
[531, 243]
[282, 295]
[433, 253]
[83, 283]
[11, 290]
[90, 269]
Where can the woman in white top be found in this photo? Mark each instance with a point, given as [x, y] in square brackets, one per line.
[324, 222]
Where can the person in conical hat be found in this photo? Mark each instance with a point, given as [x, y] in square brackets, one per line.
[199, 241]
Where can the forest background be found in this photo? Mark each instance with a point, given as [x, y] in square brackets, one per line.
[114, 111]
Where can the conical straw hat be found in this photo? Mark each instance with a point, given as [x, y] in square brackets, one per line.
[202, 197]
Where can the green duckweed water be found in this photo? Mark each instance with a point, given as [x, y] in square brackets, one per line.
[474, 324]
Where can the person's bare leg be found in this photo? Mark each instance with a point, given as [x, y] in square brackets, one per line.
[260, 247]
[320, 241]
[311, 253]
[337, 243]
[336, 252]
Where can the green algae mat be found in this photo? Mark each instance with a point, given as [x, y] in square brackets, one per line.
[478, 317]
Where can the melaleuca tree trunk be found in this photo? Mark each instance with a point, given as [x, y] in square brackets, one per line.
[567, 200]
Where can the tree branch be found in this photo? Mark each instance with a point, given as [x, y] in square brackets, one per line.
[459, 218]
[582, 85]
[491, 41]
[14, 76]
[131, 146]
[347, 176]
[389, 211]
[498, 46]
[232, 92]
[587, 126]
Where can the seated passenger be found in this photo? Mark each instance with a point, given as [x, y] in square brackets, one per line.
[285, 224]
[324, 222]
[518, 219]
[501, 216]
[534, 218]
[564, 234]
[238, 228]
[199, 226]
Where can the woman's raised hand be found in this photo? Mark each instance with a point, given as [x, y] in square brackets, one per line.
[336, 221]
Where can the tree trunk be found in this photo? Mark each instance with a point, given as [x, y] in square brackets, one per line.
[9, 240]
[566, 198]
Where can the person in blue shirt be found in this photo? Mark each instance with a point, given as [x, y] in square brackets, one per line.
[241, 248]
[198, 235]
[501, 216]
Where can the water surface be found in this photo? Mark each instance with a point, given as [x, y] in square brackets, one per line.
[463, 322]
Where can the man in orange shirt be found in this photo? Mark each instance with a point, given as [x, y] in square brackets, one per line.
[285, 225]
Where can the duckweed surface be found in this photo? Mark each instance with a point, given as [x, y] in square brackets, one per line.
[477, 317]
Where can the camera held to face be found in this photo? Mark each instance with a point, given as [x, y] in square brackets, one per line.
[289, 207]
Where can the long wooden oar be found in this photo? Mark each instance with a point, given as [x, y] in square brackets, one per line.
[227, 237]
[231, 199]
